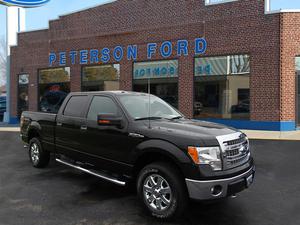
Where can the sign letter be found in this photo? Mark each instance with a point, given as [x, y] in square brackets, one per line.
[151, 49]
[182, 48]
[132, 52]
[52, 59]
[166, 49]
[200, 46]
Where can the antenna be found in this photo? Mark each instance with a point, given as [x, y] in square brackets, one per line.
[149, 103]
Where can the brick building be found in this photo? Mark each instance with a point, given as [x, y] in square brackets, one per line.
[230, 61]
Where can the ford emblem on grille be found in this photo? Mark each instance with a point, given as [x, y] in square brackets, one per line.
[24, 3]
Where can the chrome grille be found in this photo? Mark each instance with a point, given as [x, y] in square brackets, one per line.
[237, 141]
[231, 153]
[236, 152]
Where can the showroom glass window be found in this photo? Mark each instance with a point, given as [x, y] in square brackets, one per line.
[54, 86]
[162, 76]
[23, 82]
[101, 78]
[222, 87]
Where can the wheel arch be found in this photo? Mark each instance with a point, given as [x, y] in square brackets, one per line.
[33, 132]
[157, 150]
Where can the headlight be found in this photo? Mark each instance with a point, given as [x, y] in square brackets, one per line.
[207, 156]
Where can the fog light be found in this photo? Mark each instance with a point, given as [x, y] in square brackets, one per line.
[216, 190]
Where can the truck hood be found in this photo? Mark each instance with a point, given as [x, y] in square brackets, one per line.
[187, 131]
[193, 126]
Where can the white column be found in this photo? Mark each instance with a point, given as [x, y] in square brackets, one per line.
[267, 6]
[15, 22]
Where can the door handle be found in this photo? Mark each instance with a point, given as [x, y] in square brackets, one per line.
[59, 124]
[83, 127]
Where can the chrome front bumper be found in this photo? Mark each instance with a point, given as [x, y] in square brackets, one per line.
[214, 189]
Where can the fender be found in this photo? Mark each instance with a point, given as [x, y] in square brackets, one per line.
[181, 159]
[46, 143]
[35, 126]
[32, 127]
[163, 147]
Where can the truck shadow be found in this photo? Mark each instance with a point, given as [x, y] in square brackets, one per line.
[94, 191]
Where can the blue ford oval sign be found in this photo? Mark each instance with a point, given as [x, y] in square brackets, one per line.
[24, 3]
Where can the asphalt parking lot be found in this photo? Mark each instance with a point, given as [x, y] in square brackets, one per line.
[62, 196]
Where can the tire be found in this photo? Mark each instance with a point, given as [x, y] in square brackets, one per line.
[37, 155]
[161, 189]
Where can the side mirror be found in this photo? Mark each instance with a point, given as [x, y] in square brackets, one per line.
[109, 120]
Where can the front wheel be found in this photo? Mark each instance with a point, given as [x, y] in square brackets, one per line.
[161, 188]
[37, 155]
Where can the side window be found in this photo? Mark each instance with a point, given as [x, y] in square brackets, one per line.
[75, 107]
[103, 105]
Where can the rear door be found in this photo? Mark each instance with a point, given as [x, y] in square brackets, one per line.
[69, 125]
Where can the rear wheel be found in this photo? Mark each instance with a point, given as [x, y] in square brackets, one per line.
[161, 188]
[37, 155]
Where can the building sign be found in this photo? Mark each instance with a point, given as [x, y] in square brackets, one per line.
[24, 3]
[155, 69]
[222, 65]
[130, 52]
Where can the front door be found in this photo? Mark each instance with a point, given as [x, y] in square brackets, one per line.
[107, 144]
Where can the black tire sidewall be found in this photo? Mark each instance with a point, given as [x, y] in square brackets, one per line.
[167, 172]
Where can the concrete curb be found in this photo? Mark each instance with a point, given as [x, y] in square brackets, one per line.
[273, 135]
[9, 129]
[252, 134]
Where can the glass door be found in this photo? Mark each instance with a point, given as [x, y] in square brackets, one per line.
[23, 82]
[298, 98]
[298, 91]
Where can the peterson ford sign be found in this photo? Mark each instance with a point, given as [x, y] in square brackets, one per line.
[165, 50]
[24, 3]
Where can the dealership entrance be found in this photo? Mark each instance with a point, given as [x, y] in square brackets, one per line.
[23, 82]
[298, 98]
[298, 90]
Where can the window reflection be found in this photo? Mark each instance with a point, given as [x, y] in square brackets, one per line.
[222, 87]
[54, 86]
[163, 78]
[101, 78]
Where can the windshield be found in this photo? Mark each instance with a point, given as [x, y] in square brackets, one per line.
[138, 107]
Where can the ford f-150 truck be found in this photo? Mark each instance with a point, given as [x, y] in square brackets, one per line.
[127, 137]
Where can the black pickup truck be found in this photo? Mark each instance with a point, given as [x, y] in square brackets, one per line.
[116, 136]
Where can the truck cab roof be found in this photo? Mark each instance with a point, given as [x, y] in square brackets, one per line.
[115, 93]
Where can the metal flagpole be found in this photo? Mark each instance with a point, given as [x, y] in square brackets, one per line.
[15, 23]
[149, 108]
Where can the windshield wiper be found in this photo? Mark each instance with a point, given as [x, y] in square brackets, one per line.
[149, 118]
[176, 118]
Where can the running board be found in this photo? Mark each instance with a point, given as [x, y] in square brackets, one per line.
[102, 176]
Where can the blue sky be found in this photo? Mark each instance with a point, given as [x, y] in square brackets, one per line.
[38, 18]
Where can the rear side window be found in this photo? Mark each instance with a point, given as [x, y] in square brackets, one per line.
[75, 106]
[102, 105]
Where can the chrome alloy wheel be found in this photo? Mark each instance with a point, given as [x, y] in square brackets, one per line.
[157, 192]
[35, 153]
